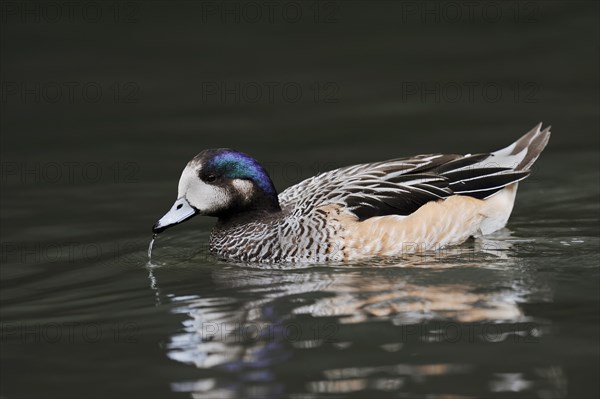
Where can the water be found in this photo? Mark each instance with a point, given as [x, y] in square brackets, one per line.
[86, 313]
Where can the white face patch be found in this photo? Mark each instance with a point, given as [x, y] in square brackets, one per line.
[204, 197]
[244, 187]
[189, 174]
[208, 198]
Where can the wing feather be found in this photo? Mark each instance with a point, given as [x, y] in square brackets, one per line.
[400, 186]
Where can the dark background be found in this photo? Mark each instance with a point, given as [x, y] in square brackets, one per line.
[103, 103]
[127, 92]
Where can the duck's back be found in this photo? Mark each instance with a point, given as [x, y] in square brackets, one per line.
[405, 205]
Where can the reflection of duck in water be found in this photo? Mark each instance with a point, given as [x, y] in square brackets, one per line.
[259, 325]
[224, 331]
[385, 208]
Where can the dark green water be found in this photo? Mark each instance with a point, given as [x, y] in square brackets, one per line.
[100, 112]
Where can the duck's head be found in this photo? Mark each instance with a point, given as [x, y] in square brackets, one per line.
[222, 183]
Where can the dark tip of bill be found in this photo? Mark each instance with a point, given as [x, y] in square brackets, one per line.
[157, 230]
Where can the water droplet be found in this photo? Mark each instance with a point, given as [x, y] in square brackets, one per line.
[150, 247]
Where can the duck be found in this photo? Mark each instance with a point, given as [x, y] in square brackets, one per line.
[371, 210]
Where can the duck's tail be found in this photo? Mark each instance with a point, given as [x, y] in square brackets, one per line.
[521, 154]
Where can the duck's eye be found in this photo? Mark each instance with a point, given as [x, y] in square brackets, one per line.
[211, 178]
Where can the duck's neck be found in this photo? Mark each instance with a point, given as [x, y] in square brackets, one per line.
[239, 218]
[261, 207]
